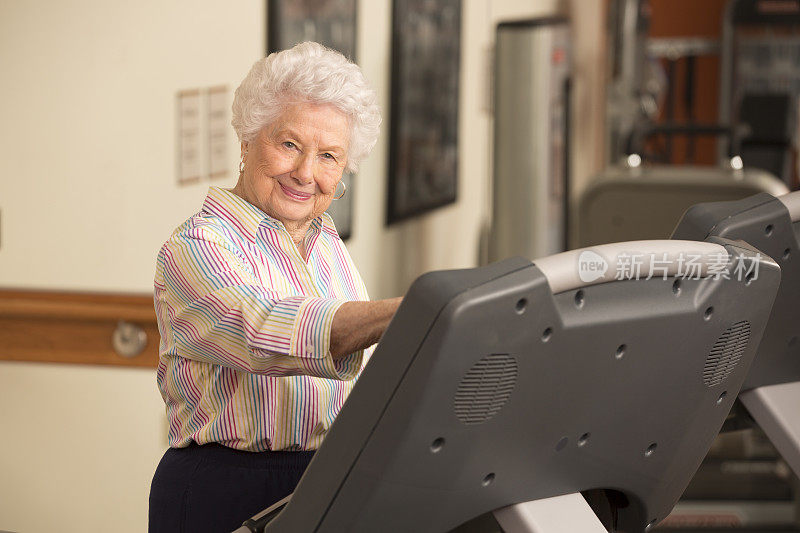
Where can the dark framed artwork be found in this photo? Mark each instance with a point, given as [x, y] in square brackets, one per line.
[341, 210]
[333, 24]
[328, 22]
[423, 155]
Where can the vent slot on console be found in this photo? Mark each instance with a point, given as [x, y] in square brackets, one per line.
[485, 388]
[726, 353]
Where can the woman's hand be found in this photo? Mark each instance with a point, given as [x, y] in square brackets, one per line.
[359, 325]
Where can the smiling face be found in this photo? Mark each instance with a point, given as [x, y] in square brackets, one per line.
[292, 167]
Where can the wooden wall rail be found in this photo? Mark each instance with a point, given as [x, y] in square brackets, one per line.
[65, 327]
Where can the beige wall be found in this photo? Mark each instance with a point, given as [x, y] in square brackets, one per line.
[79, 447]
[88, 194]
[88, 191]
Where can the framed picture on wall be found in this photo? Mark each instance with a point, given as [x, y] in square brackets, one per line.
[423, 155]
[341, 210]
[333, 24]
[328, 22]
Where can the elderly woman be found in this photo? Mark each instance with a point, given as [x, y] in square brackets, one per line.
[265, 322]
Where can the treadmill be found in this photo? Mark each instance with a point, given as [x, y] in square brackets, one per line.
[771, 391]
[513, 388]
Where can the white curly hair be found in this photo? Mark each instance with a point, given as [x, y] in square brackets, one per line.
[308, 72]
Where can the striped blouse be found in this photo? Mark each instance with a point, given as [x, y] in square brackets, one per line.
[245, 329]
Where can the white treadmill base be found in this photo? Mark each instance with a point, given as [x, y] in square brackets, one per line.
[561, 514]
[776, 409]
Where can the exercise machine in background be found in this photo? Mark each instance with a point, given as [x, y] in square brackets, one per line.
[760, 83]
[642, 193]
[626, 203]
[757, 97]
[771, 393]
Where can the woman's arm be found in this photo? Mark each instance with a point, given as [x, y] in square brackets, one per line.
[212, 308]
[359, 325]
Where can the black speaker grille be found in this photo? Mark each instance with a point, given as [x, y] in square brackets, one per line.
[485, 388]
[726, 353]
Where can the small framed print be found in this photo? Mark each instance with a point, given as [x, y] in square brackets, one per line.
[217, 125]
[190, 148]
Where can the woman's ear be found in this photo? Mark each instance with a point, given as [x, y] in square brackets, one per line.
[244, 149]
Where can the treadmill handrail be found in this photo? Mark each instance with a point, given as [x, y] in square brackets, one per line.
[570, 270]
[792, 202]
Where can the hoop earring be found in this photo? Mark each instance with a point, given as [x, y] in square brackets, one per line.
[241, 164]
[343, 191]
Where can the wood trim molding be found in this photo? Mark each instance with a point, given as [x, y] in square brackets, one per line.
[72, 327]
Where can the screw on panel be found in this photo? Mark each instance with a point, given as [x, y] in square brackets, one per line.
[579, 299]
[650, 450]
[620, 351]
[437, 445]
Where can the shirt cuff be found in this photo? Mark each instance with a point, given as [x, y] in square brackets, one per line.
[311, 341]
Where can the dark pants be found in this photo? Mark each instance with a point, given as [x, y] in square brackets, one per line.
[214, 489]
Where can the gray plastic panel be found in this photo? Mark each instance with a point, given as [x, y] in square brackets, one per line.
[488, 390]
[377, 386]
[764, 222]
[643, 203]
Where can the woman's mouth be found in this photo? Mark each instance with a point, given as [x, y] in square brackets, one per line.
[295, 195]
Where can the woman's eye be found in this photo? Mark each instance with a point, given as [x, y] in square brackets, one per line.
[326, 155]
[289, 144]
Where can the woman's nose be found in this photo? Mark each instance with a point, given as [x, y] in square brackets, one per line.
[304, 171]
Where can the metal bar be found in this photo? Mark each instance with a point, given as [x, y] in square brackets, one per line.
[674, 48]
